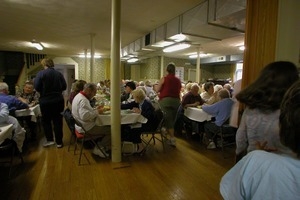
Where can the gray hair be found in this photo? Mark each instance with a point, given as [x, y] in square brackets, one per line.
[3, 86]
[91, 86]
[223, 94]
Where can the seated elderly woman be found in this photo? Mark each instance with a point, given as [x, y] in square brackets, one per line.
[76, 88]
[144, 107]
[210, 96]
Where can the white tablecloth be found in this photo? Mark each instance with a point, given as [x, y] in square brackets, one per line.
[34, 111]
[126, 118]
[5, 132]
[196, 114]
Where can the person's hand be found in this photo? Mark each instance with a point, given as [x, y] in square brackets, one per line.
[23, 100]
[215, 94]
[136, 110]
[101, 109]
[196, 103]
[263, 146]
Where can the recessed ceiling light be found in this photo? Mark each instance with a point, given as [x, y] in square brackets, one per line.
[196, 55]
[162, 44]
[89, 56]
[132, 60]
[37, 45]
[178, 37]
[242, 48]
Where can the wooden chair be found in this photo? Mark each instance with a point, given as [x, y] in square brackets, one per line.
[83, 136]
[9, 146]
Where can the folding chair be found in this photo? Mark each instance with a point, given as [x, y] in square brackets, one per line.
[156, 131]
[227, 136]
[71, 124]
[5, 147]
[84, 136]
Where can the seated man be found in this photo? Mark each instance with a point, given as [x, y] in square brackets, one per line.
[86, 115]
[19, 132]
[30, 97]
[127, 96]
[221, 111]
[190, 99]
[270, 175]
[144, 107]
[11, 101]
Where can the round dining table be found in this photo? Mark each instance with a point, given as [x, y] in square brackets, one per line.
[127, 117]
[197, 114]
[5, 132]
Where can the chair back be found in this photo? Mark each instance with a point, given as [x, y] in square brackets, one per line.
[79, 130]
[160, 116]
[156, 105]
[69, 120]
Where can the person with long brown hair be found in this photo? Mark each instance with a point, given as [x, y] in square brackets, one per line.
[262, 98]
[269, 175]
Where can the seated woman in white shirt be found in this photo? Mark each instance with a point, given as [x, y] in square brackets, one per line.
[210, 96]
[265, 175]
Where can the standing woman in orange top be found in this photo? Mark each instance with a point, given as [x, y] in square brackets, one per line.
[169, 99]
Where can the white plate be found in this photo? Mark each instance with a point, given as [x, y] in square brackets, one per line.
[106, 112]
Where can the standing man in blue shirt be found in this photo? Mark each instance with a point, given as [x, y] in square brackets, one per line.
[50, 84]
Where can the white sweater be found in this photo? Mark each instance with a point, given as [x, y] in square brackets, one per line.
[83, 112]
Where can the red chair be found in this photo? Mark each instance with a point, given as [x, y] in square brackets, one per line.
[83, 136]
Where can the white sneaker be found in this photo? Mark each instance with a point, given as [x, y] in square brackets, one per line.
[211, 145]
[48, 143]
[172, 142]
[99, 153]
[164, 131]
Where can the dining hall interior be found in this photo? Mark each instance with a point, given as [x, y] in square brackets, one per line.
[126, 40]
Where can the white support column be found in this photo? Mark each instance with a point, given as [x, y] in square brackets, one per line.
[161, 66]
[115, 76]
[92, 61]
[85, 66]
[198, 70]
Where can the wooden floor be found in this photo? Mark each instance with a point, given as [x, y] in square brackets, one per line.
[186, 172]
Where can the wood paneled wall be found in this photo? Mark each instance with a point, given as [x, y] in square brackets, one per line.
[260, 37]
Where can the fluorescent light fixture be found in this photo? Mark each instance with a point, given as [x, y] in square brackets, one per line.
[147, 49]
[89, 56]
[132, 60]
[37, 45]
[242, 48]
[176, 47]
[178, 37]
[162, 44]
[196, 55]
